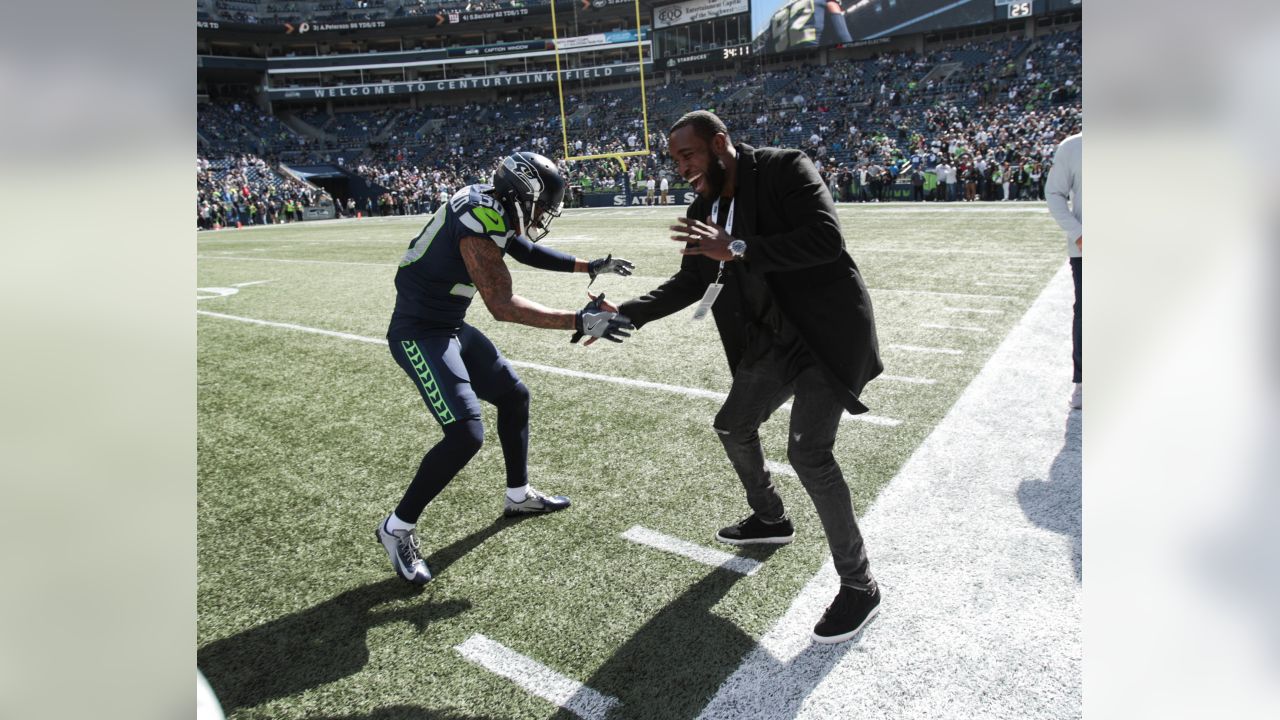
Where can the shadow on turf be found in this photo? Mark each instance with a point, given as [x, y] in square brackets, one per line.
[1054, 504]
[444, 557]
[326, 642]
[674, 664]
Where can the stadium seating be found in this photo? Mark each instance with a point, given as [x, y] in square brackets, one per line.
[247, 190]
[1007, 99]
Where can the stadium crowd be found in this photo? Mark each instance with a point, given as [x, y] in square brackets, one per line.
[977, 121]
[245, 190]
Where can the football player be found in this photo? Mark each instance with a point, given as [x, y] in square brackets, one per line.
[452, 364]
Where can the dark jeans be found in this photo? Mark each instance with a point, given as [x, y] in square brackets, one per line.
[759, 389]
[1075, 321]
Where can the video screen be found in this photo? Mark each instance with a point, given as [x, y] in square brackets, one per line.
[871, 19]
[810, 23]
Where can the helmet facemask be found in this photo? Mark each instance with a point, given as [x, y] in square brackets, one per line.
[541, 222]
[532, 191]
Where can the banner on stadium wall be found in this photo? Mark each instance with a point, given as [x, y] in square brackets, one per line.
[683, 196]
[691, 11]
[605, 72]
[232, 63]
[308, 27]
[606, 38]
[499, 49]
[319, 212]
[283, 65]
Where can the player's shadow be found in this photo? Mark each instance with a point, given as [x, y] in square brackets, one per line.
[1054, 503]
[441, 559]
[326, 642]
[676, 662]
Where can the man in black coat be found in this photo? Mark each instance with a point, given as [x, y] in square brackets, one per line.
[795, 319]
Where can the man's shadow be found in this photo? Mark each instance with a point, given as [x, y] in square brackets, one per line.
[673, 665]
[1054, 504]
[326, 642]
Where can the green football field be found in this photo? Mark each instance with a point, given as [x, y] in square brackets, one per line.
[309, 432]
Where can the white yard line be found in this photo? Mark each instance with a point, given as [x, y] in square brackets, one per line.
[975, 544]
[967, 328]
[291, 326]
[926, 350]
[1011, 257]
[981, 311]
[909, 380]
[649, 278]
[647, 385]
[697, 553]
[536, 678]
[294, 261]
[676, 389]
[781, 468]
[942, 294]
[252, 282]
[895, 207]
[1000, 284]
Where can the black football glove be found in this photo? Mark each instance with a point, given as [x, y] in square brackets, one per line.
[607, 265]
[595, 321]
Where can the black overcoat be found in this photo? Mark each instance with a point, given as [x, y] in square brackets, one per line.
[785, 213]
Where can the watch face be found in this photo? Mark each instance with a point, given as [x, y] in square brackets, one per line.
[737, 247]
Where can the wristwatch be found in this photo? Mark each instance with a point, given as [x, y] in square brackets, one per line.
[738, 248]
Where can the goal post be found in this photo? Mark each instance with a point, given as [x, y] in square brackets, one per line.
[644, 103]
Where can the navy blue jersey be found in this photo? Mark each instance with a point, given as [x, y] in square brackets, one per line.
[433, 287]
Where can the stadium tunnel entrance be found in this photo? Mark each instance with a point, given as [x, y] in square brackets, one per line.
[340, 184]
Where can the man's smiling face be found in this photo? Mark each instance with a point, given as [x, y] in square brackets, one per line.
[696, 162]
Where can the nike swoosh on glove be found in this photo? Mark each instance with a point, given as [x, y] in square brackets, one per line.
[593, 320]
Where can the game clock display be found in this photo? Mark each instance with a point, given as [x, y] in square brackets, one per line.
[738, 51]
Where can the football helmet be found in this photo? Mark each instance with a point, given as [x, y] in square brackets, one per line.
[530, 189]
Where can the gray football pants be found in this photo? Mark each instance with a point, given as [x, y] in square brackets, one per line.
[758, 390]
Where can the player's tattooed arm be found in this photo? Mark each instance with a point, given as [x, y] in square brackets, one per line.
[488, 271]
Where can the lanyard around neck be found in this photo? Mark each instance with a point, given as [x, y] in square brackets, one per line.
[728, 228]
[715, 214]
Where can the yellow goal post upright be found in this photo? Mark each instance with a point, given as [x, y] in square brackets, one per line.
[644, 105]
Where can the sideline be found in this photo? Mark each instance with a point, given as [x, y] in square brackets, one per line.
[976, 545]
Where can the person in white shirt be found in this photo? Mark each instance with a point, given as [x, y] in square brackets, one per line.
[1065, 200]
[649, 186]
[941, 172]
[662, 188]
[951, 183]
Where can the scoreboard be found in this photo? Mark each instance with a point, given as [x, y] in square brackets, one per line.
[698, 31]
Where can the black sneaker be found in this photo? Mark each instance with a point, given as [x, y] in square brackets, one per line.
[848, 613]
[752, 531]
